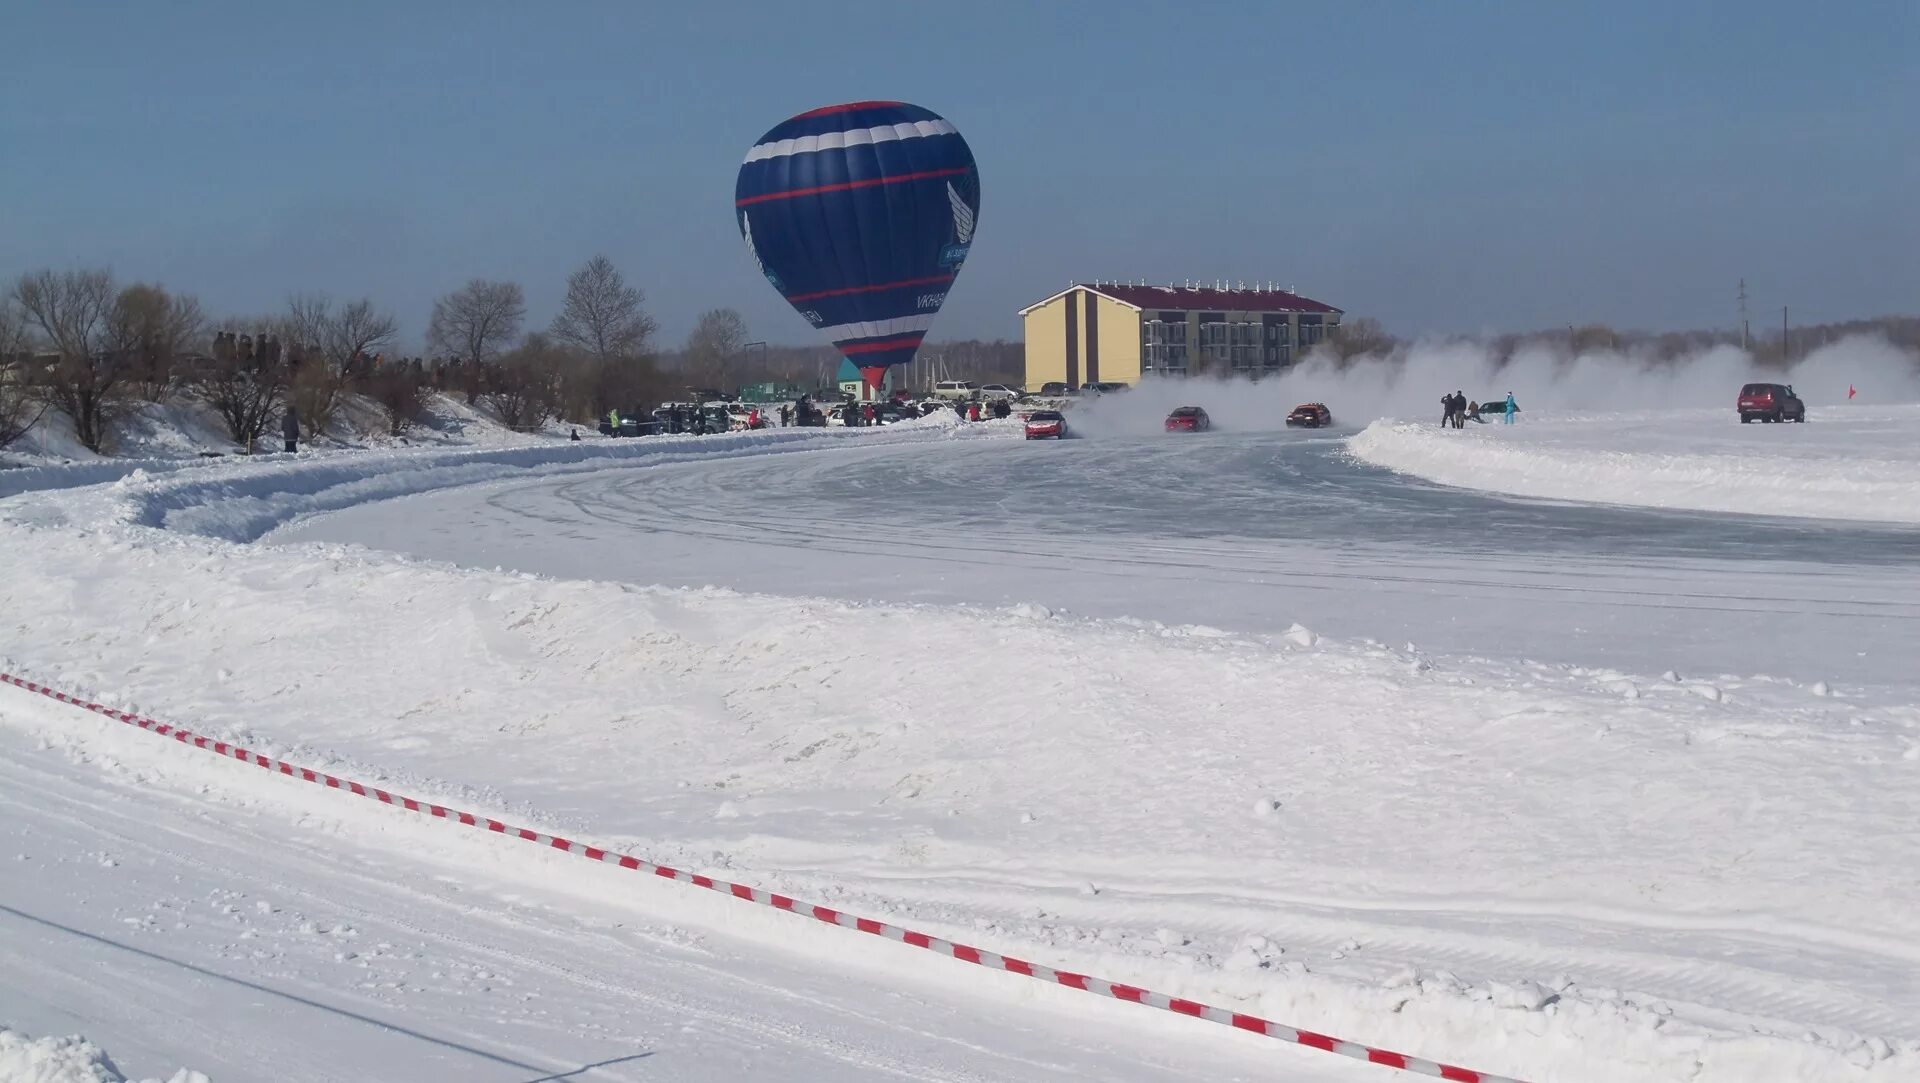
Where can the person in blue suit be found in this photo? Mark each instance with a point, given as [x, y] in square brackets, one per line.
[1511, 408]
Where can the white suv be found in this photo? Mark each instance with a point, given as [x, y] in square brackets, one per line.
[955, 389]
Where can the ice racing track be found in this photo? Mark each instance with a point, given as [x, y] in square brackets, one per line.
[1251, 532]
[1551, 789]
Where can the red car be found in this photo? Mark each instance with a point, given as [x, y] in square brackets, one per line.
[1045, 425]
[1310, 415]
[1189, 419]
[1770, 402]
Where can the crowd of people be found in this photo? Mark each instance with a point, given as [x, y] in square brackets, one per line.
[1457, 410]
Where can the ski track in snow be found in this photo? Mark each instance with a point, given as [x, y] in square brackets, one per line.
[1656, 855]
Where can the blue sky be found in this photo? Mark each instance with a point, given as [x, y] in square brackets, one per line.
[1443, 167]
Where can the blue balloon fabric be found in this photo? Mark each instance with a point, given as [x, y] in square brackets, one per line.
[861, 216]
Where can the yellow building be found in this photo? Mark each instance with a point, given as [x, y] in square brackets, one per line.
[1107, 332]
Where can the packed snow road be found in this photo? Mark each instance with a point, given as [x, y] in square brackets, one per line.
[1248, 532]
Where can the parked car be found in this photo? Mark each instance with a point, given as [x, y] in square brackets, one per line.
[955, 389]
[1770, 402]
[1310, 415]
[989, 392]
[1188, 419]
[1046, 424]
[1055, 389]
[1104, 387]
[1492, 406]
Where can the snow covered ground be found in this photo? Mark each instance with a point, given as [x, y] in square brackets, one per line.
[174, 910]
[1846, 462]
[1621, 859]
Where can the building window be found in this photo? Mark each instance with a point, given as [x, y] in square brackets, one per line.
[1279, 344]
[1232, 346]
[1312, 331]
[1163, 345]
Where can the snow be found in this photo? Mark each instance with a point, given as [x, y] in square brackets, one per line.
[885, 680]
[220, 918]
[69, 1059]
[1845, 463]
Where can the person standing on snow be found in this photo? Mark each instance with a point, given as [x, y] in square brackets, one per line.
[973, 411]
[1511, 408]
[290, 428]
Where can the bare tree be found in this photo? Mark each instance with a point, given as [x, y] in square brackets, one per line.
[247, 392]
[71, 308]
[713, 349]
[1354, 339]
[602, 316]
[477, 321]
[400, 392]
[525, 388]
[147, 329]
[18, 409]
[340, 342]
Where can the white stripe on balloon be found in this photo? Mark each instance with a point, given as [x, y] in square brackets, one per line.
[902, 325]
[885, 133]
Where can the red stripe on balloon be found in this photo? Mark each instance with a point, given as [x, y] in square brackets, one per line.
[829, 110]
[931, 280]
[908, 343]
[925, 174]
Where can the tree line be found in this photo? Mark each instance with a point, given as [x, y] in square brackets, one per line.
[80, 345]
[77, 344]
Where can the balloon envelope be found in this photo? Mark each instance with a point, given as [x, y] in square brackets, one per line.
[861, 215]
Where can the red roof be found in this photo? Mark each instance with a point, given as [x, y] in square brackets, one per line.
[1183, 297]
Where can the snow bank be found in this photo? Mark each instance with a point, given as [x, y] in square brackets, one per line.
[239, 500]
[65, 1060]
[1859, 463]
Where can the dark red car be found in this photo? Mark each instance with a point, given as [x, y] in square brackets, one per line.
[1770, 402]
[1189, 419]
[1310, 415]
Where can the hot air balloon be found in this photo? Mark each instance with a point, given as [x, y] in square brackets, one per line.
[861, 215]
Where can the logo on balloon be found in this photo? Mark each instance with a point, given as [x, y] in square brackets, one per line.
[954, 254]
[746, 230]
[962, 216]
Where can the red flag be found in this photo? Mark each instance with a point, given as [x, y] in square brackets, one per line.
[1849, 391]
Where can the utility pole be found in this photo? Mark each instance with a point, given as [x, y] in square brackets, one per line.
[1744, 342]
[1786, 354]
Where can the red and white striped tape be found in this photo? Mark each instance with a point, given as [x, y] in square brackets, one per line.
[962, 952]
